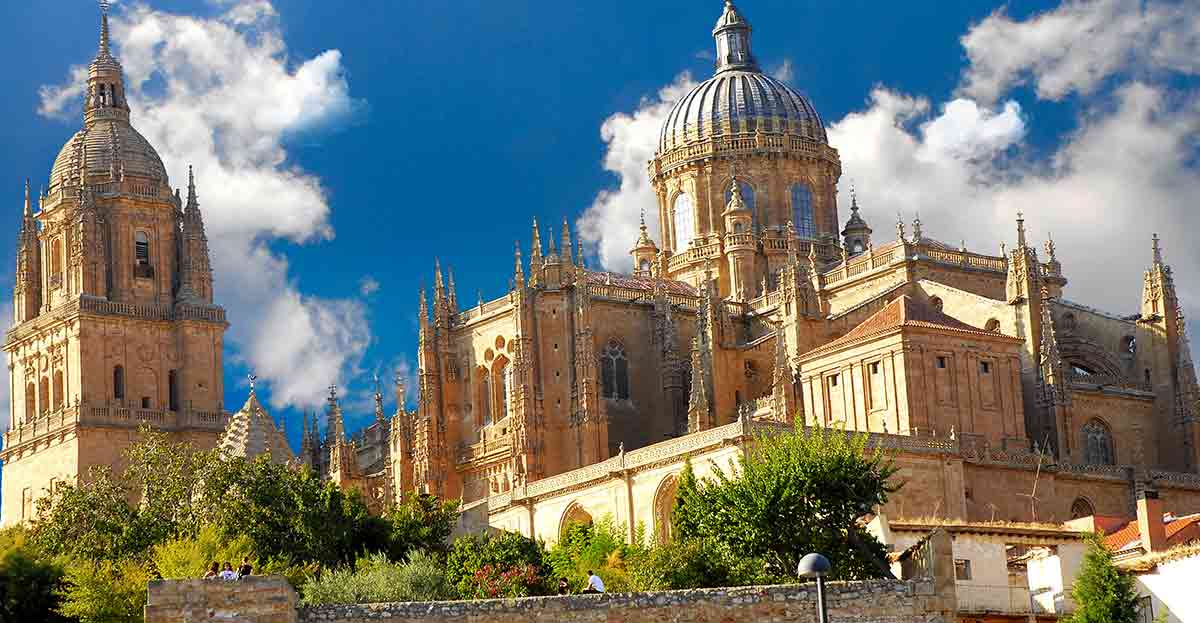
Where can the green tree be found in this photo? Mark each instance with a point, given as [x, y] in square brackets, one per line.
[501, 564]
[90, 521]
[1103, 593]
[420, 522]
[105, 592]
[30, 582]
[792, 494]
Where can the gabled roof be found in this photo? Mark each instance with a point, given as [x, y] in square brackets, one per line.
[904, 311]
[1179, 531]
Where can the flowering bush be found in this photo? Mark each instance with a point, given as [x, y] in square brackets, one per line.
[520, 580]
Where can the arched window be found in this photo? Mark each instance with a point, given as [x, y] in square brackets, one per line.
[173, 390]
[614, 372]
[55, 262]
[30, 402]
[802, 211]
[685, 221]
[485, 396]
[747, 197]
[141, 255]
[58, 390]
[1081, 508]
[44, 396]
[504, 378]
[664, 508]
[992, 325]
[1097, 444]
[119, 383]
[936, 303]
[644, 266]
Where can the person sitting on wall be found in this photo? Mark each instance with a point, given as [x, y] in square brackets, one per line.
[227, 572]
[595, 584]
[213, 571]
[245, 569]
[564, 588]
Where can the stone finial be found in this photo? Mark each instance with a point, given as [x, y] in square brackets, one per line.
[900, 235]
[1157, 250]
[1021, 230]
[917, 233]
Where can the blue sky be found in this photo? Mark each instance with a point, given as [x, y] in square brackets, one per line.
[390, 133]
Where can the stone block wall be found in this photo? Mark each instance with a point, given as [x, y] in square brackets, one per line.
[256, 599]
[861, 602]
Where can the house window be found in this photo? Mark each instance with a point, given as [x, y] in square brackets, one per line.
[802, 211]
[614, 372]
[145, 402]
[941, 362]
[962, 569]
[685, 221]
[1097, 444]
[833, 380]
[119, 383]
[874, 367]
[30, 402]
[985, 367]
[44, 396]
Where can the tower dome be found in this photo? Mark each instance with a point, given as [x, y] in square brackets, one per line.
[107, 147]
[739, 98]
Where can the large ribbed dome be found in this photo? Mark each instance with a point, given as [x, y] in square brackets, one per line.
[739, 98]
[101, 140]
[740, 101]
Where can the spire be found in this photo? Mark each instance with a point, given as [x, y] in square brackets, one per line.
[566, 242]
[452, 291]
[519, 274]
[28, 213]
[337, 430]
[439, 289]
[580, 261]
[535, 253]
[423, 315]
[1020, 230]
[917, 233]
[378, 399]
[1158, 260]
[192, 200]
[899, 227]
[103, 51]
[400, 397]
[732, 34]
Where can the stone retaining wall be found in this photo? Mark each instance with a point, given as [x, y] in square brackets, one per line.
[256, 599]
[860, 602]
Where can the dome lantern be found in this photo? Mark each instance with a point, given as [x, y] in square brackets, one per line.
[732, 33]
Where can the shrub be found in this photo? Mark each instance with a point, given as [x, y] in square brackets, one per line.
[375, 579]
[690, 563]
[190, 557]
[598, 547]
[30, 582]
[105, 592]
[498, 555]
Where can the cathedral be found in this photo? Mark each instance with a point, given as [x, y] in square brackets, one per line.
[581, 393]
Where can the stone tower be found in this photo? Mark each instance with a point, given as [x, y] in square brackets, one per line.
[746, 129]
[115, 324]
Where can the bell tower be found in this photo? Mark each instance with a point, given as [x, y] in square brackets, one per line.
[114, 322]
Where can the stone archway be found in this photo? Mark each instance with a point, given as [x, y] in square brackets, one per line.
[664, 507]
[574, 514]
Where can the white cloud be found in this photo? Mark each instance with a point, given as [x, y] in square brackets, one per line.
[368, 285]
[610, 224]
[222, 94]
[62, 101]
[1078, 45]
[783, 71]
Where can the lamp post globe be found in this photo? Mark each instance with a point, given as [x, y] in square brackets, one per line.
[813, 566]
[816, 566]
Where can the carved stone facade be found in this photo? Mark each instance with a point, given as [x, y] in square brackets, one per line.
[756, 309]
[115, 323]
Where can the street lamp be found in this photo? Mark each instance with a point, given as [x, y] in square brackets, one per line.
[816, 566]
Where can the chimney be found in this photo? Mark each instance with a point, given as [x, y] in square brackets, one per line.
[1150, 522]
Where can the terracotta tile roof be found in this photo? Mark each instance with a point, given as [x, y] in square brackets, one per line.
[637, 283]
[1179, 531]
[905, 311]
